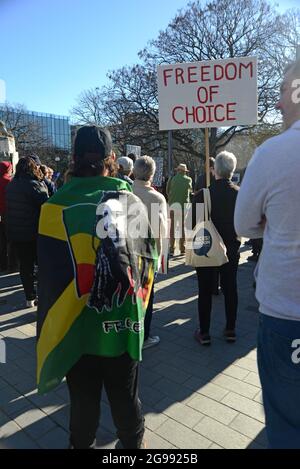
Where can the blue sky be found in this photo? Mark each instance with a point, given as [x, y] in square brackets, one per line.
[54, 49]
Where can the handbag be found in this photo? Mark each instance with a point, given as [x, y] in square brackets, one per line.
[204, 245]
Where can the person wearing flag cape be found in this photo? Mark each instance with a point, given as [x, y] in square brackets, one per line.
[95, 280]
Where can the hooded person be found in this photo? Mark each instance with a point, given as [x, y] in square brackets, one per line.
[94, 286]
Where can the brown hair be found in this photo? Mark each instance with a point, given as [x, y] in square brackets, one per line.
[26, 166]
[79, 168]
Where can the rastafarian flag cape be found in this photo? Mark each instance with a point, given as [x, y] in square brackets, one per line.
[93, 290]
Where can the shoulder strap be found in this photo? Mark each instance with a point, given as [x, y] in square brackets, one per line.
[207, 204]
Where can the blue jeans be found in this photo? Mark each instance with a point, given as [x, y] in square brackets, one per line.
[278, 357]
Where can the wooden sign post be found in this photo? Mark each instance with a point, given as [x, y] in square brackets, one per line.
[207, 157]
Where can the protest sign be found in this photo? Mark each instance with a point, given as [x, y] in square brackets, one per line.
[216, 93]
[133, 149]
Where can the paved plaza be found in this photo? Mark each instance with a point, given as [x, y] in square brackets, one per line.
[193, 396]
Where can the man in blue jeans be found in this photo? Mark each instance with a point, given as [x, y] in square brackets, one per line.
[268, 206]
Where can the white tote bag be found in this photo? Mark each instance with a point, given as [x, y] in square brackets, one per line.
[204, 245]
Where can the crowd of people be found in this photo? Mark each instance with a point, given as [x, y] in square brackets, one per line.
[96, 275]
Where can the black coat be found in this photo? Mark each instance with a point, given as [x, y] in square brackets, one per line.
[223, 194]
[24, 197]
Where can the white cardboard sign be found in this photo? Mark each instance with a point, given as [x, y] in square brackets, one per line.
[214, 93]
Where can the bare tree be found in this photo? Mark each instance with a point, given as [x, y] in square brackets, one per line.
[89, 107]
[223, 29]
[218, 30]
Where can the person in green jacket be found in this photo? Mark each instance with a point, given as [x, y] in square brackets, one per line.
[179, 190]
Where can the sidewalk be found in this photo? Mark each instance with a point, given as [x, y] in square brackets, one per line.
[193, 396]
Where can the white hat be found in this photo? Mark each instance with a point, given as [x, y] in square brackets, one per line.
[182, 167]
[125, 162]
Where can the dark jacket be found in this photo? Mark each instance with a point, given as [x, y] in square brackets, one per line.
[223, 194]
[201, 182]
[24, 197]
[50, 186]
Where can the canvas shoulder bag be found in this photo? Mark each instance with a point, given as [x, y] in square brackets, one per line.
[204, 245]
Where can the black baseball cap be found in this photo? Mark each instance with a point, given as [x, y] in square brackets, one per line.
[92, 143]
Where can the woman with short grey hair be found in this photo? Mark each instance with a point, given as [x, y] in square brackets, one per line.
[144, 168]
[156, 205]
[223, 194]
[225, 164]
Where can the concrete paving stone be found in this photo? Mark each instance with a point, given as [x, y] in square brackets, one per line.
[173, 373]
[245, 406]
[236, 385]
[149, 377]
[27, 329]
[149, 395]
[172, 389]
[22, 406]
[189, 343]
[54, 439]
[50, 399]
[167, 345]
[11, 401]
[149, 361]
[3, 383]
[62, 391]
[197, 370]
[154, 441]
[12, 333]
[154, 420]
[27, 346]
[183, 414]
[164, 334]
[12, 437]
[195, 383]
[249, 427]
[7, 368]
[247, 364]
[60, 416]
[3, 418]
[52, 409]
[200, 357]
[181, 436]
[259, 397]
[161, 405]
[157, 355]
[26, 386]
[13, 353]
[34, 422]
[211, 408]
[28, 364]
[222, 434]
[213, 391]
[235, 372]
[253, 378]
[215, 446]
[16, 377]
[8, 429]
[252, 355]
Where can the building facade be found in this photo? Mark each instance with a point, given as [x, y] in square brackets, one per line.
[53, 130]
